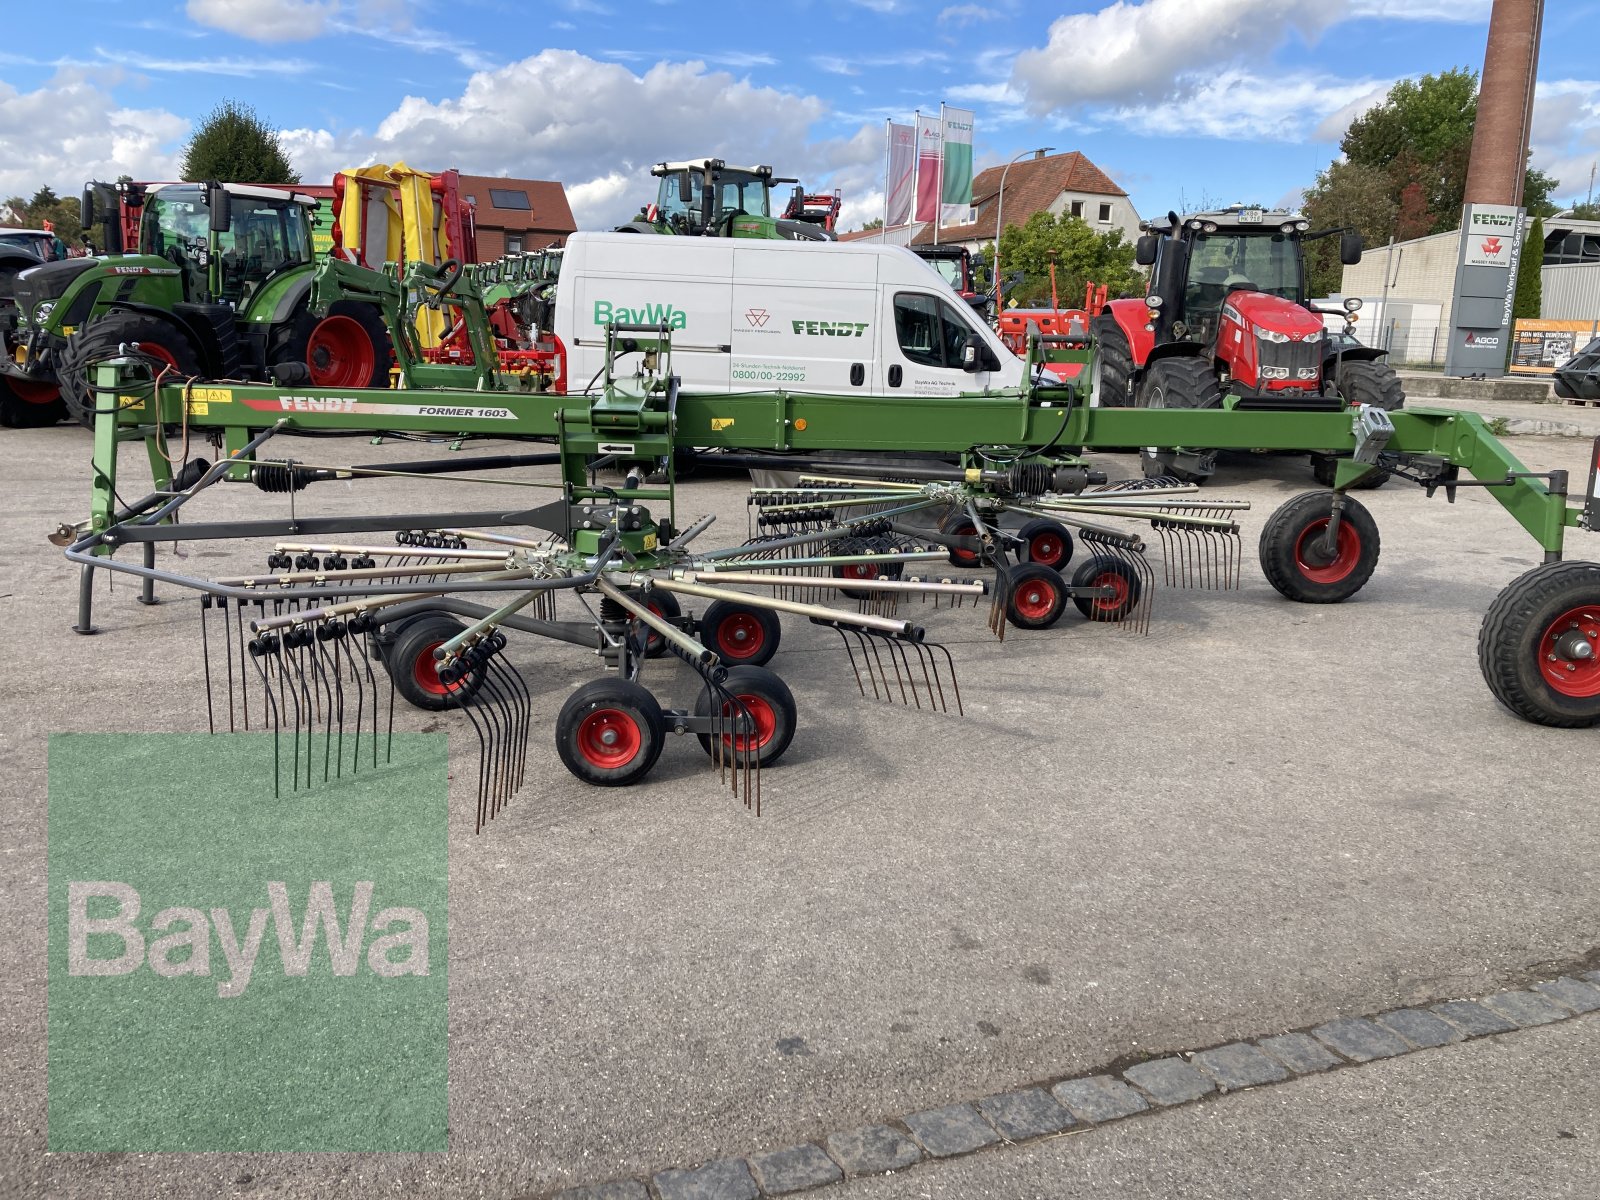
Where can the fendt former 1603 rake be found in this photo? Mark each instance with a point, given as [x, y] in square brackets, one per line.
[435, 608]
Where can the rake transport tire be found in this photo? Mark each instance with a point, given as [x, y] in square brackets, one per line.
[1047, 542]
[664, 605]
[1116, 362]
[1177, 383]
[1036, 595]
[741, 634]
[159, 340]
[347, 348]
[957, 524]
[1103, 570]
[415, 671]
[866, 570]
[28, 405]
[771, 706]
[1539, 645]
[1294, 561]
[610, 732]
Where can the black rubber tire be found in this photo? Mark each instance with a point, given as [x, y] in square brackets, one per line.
[665, 605]
[1186, 382]
[865, 571]
[1116, 362]
[1307, 514]
[1099, 608]
[766, 688]
[408, 658]
[1368, 381]
[1509, 643]
[956, 523]
[620, 708]
[1323, 466]
[17, 413]
[1036, 595]
[102, 337]
[291, 345]
[1055, 543]
[740, 634]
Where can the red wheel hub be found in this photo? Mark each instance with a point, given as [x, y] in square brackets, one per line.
[1312, 560]
[964, 529]
[1035, 598]
[609, 738]
[740, 636]
[158, 351]
[1046, 548]
[1121, 591]
[425, 670]
[761, 715]
[340, 354]
[860, 571]
[30, 392]
[1563, 661]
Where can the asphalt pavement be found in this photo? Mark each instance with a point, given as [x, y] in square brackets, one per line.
[1259, 817]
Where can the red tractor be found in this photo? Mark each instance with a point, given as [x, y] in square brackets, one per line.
[1227, 324]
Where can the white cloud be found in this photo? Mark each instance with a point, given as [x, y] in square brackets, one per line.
[1239, 105]
[1157, 50]
[266, 20]
[962, 15]
[71, 130]
[1465, 12]
[1566, 134]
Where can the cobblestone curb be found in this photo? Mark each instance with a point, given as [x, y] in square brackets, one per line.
[1080, 1103]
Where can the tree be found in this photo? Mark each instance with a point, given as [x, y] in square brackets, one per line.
[1530, 288]
[1537, 188]
[875, 223]
[1081, 255]
[234, 143]
[1346, 195]
[1589, 210]
[44, 198]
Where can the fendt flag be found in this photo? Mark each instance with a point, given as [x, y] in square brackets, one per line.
[930, 135]
[955, 188]
[900, 177]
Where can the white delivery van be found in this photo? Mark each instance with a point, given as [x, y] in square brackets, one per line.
[749, 315]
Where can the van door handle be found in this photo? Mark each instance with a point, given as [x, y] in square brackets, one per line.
[894, 375]
[858, 374]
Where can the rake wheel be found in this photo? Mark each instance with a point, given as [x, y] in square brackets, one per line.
[1103, 570]
[1048, 542]
[609, 732]
[1036, 595]
[770, 705]
[1539, 645]
[1296, 562]
[664, 605]
[741, 634]
[410, 662]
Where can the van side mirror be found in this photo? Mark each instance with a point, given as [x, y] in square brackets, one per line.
[1144, 250]
[970, 358]
[1350, 247]
[221, 210]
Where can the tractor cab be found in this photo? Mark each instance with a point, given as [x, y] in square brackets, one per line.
[262, 233]
[709, 198]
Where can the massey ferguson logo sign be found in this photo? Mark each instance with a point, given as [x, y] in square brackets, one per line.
[1491, 245]
[1490, 237]
[757, 317]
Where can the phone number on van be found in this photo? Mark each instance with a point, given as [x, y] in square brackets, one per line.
[761, 374]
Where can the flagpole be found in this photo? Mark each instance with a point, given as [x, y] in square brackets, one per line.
[888, 152]
[916, 161]
[938, 208]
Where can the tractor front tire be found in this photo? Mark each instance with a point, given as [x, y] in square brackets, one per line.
[1295, 561]
[160, 341]
[1539, 645]
[1367, 381]
[347, 348]
[1115, 359]
[1187, 382]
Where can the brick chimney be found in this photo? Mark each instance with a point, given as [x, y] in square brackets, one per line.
[1505, 103]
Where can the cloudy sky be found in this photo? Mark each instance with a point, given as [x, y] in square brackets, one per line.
[1179, 100]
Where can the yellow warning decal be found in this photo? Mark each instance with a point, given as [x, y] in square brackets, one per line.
[649, 541]
[719, 423]
[213, 395]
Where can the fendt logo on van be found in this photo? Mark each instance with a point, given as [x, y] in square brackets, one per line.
[831, 328]
[606, 313]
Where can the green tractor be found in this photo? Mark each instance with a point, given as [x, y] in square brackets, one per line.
[708, 198]
[218, 285]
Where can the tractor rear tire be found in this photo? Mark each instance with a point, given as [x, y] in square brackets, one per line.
[347, 348]
[1116, 362]
[1367, 381]
[1177, 383]
[1295, 564]
[159, 340]
[29, 405]
[1539, 645]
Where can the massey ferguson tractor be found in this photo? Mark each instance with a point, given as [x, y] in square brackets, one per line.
[1227, 324]
[709, 198]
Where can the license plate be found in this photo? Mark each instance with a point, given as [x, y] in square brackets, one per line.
[1249, 216]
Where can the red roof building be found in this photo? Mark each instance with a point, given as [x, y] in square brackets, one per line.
[513, 215]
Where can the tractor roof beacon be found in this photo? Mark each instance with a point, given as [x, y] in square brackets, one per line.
[708, 197]
[1227, 323]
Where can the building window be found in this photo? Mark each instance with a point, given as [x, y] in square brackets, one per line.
[514, 244]
[1077, 209]
[507, 198]
[1105, 214]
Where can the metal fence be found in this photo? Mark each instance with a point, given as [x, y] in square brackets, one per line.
[1409, 343]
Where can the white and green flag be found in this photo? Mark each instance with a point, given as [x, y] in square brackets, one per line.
[955, 186]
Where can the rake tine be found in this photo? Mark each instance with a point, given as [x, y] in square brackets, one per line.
[955, 683]
[244, 686]
[205, 658]
[315, 652]
[483, 790]
[897, 647]
[325, 634]
[285, 687]
[843, 637]
[258, 651]
[931, 678]
[514, 684]
[877, 659]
